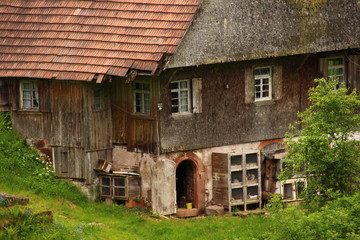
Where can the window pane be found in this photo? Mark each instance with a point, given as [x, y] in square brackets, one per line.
[26, 95]
[330, 72]
[119, 192]
[174, 85]
[265, 81]
[257, 95]
[146, 87]
[184, 101]
[27, 103]
[257, 88]
[265, 71]
[184, 94]
[105, 181]
[119, 182]
[265, 94]
[183, 84]
[35, 103]
[257, 82]
[175, 102]
[339, 71]
[105, 191]
[27, 85]
[174, 95]
[184, 108]
[257, 72]
[265, 87]
[138, 86]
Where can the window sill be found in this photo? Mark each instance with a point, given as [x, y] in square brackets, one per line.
[180, 116]
[28, 111]
[264, 102]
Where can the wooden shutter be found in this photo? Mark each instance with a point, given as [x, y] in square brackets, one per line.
[353, 76]
[220, 176]
[197, 95]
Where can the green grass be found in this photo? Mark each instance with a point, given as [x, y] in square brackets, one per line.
[22, 172]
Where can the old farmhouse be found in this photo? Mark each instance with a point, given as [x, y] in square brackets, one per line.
[171, 102]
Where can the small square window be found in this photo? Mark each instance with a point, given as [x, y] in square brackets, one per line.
[29, 95]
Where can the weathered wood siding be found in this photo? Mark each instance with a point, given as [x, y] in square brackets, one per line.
[227, 116]
[67, 104]
[31, 124]
[4, 96]
[137, 131]
[78, 134]
[220, 178]
[97, 122]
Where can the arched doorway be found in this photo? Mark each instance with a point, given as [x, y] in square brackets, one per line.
[185, 183]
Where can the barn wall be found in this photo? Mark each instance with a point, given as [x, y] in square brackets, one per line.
[229, 115]
[76, 133]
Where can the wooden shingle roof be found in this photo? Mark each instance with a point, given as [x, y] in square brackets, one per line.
[83, 39]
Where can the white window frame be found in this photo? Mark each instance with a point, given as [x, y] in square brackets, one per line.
[341, 82]
[34, 95]
[261, 77]
[178, 91]
[142, 93]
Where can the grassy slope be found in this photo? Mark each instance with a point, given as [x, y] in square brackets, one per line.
[23, 173]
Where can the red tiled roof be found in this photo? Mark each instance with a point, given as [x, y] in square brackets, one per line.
[80, 39]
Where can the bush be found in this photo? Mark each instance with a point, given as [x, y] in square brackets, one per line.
[339, 219]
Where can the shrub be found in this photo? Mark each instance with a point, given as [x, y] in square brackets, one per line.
[339, 219]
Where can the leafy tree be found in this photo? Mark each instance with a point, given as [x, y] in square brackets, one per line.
[322, 144]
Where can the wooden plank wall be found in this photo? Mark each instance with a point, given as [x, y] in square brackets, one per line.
[78, 134]
[137, 131]
[97, 123]
[67, 104]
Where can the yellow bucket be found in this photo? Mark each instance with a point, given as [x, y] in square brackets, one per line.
[188, 205]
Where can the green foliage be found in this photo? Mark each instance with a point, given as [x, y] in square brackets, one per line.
[21, 223]
[339, 219]
[275, 203]
[5, 121]
[324, 150]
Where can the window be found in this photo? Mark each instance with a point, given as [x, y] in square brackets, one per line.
[142, 97]
[180, 96]
[335, 70]
[29, 95]
[120, 187]
[119, 184]
[262, 84]
[98, 99]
